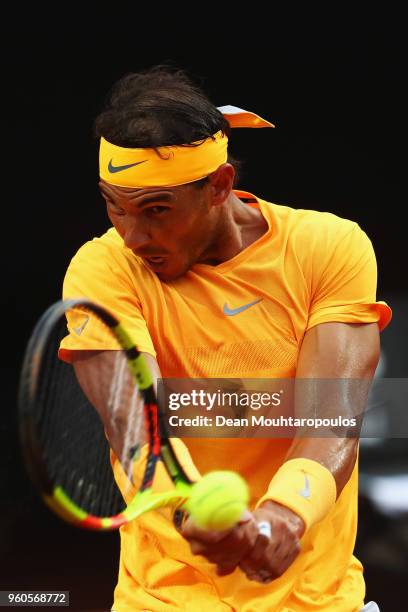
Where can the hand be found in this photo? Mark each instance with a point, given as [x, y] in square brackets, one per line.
[271, 556]
[224, 548]
[261, 558]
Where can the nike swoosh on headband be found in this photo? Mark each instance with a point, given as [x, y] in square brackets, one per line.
[234, 311]
[112, 169]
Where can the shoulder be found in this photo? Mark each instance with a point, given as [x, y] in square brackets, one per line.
[105, 251]
[320, 245]
[110, 243]
[311, 232]
[321, 235]
[307, 223]
[106, 263]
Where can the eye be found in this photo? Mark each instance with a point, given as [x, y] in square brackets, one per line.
[157, 210]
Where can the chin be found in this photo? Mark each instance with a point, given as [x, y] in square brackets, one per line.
[167, 277]
[169, 270]
[171, 275]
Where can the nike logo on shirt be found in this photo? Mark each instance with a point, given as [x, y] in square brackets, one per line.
[230, 312]
[81, 327]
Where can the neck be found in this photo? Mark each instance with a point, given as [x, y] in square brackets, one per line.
[238, 226]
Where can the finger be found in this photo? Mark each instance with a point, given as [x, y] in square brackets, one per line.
[231, 549]
[263, 576]
[246, 517]
[216, 554]
[190, 531]
[257, 557]
[211, 553]
[224, 570]
[263, 540]
[259, 567]
[198, 548]
[220, 554]
[271, 565]
[266, 574]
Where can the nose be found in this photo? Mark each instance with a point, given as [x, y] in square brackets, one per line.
[136, 236]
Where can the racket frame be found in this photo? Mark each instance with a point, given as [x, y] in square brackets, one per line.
[160, 445]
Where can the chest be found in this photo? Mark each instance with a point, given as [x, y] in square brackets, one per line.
[232, 324]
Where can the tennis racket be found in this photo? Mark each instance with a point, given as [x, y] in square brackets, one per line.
[63, 437]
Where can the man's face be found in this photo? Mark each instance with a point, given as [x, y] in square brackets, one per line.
[171, 228]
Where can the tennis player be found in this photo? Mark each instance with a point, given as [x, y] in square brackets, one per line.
[215, 282]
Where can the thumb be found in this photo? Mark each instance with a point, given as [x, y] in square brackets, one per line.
[246, 517]
[191, 531]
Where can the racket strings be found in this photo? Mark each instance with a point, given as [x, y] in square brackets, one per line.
[75, 447]
[74, 442]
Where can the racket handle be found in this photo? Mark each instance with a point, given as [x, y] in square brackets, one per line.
[179, 518]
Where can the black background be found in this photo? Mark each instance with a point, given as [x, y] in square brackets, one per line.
[334, 85]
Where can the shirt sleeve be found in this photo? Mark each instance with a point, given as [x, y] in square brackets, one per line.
[345, 280]
[97, 276]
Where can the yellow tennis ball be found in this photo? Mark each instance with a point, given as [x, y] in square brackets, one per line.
[218, 500]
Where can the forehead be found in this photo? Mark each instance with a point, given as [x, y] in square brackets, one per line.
[130, 193]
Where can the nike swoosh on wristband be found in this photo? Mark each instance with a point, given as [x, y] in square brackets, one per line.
[230, 312]
[112, 169]
[305, 492]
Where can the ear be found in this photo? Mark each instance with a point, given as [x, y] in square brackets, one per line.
[221, 182]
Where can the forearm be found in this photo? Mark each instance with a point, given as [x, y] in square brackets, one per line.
[111, 391]
[339, 360]
[338, 455]
[312, 476]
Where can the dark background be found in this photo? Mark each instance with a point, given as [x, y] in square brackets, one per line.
[335, 90]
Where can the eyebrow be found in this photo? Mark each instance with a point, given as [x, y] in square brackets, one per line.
[165, 197]
[144, 199]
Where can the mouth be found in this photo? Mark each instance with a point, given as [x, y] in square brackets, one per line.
[155, 258]
[155, 262]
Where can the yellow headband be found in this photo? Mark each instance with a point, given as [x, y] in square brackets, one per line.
[173, 165]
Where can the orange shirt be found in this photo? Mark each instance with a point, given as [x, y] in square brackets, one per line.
[308, 268]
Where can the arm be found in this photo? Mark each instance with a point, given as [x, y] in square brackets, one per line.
[95, 371]
[329, 350]
[332, 351]
[336, 350]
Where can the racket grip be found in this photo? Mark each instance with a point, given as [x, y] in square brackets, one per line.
[179, 518]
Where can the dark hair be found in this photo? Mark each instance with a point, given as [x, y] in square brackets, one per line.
[158, 107]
